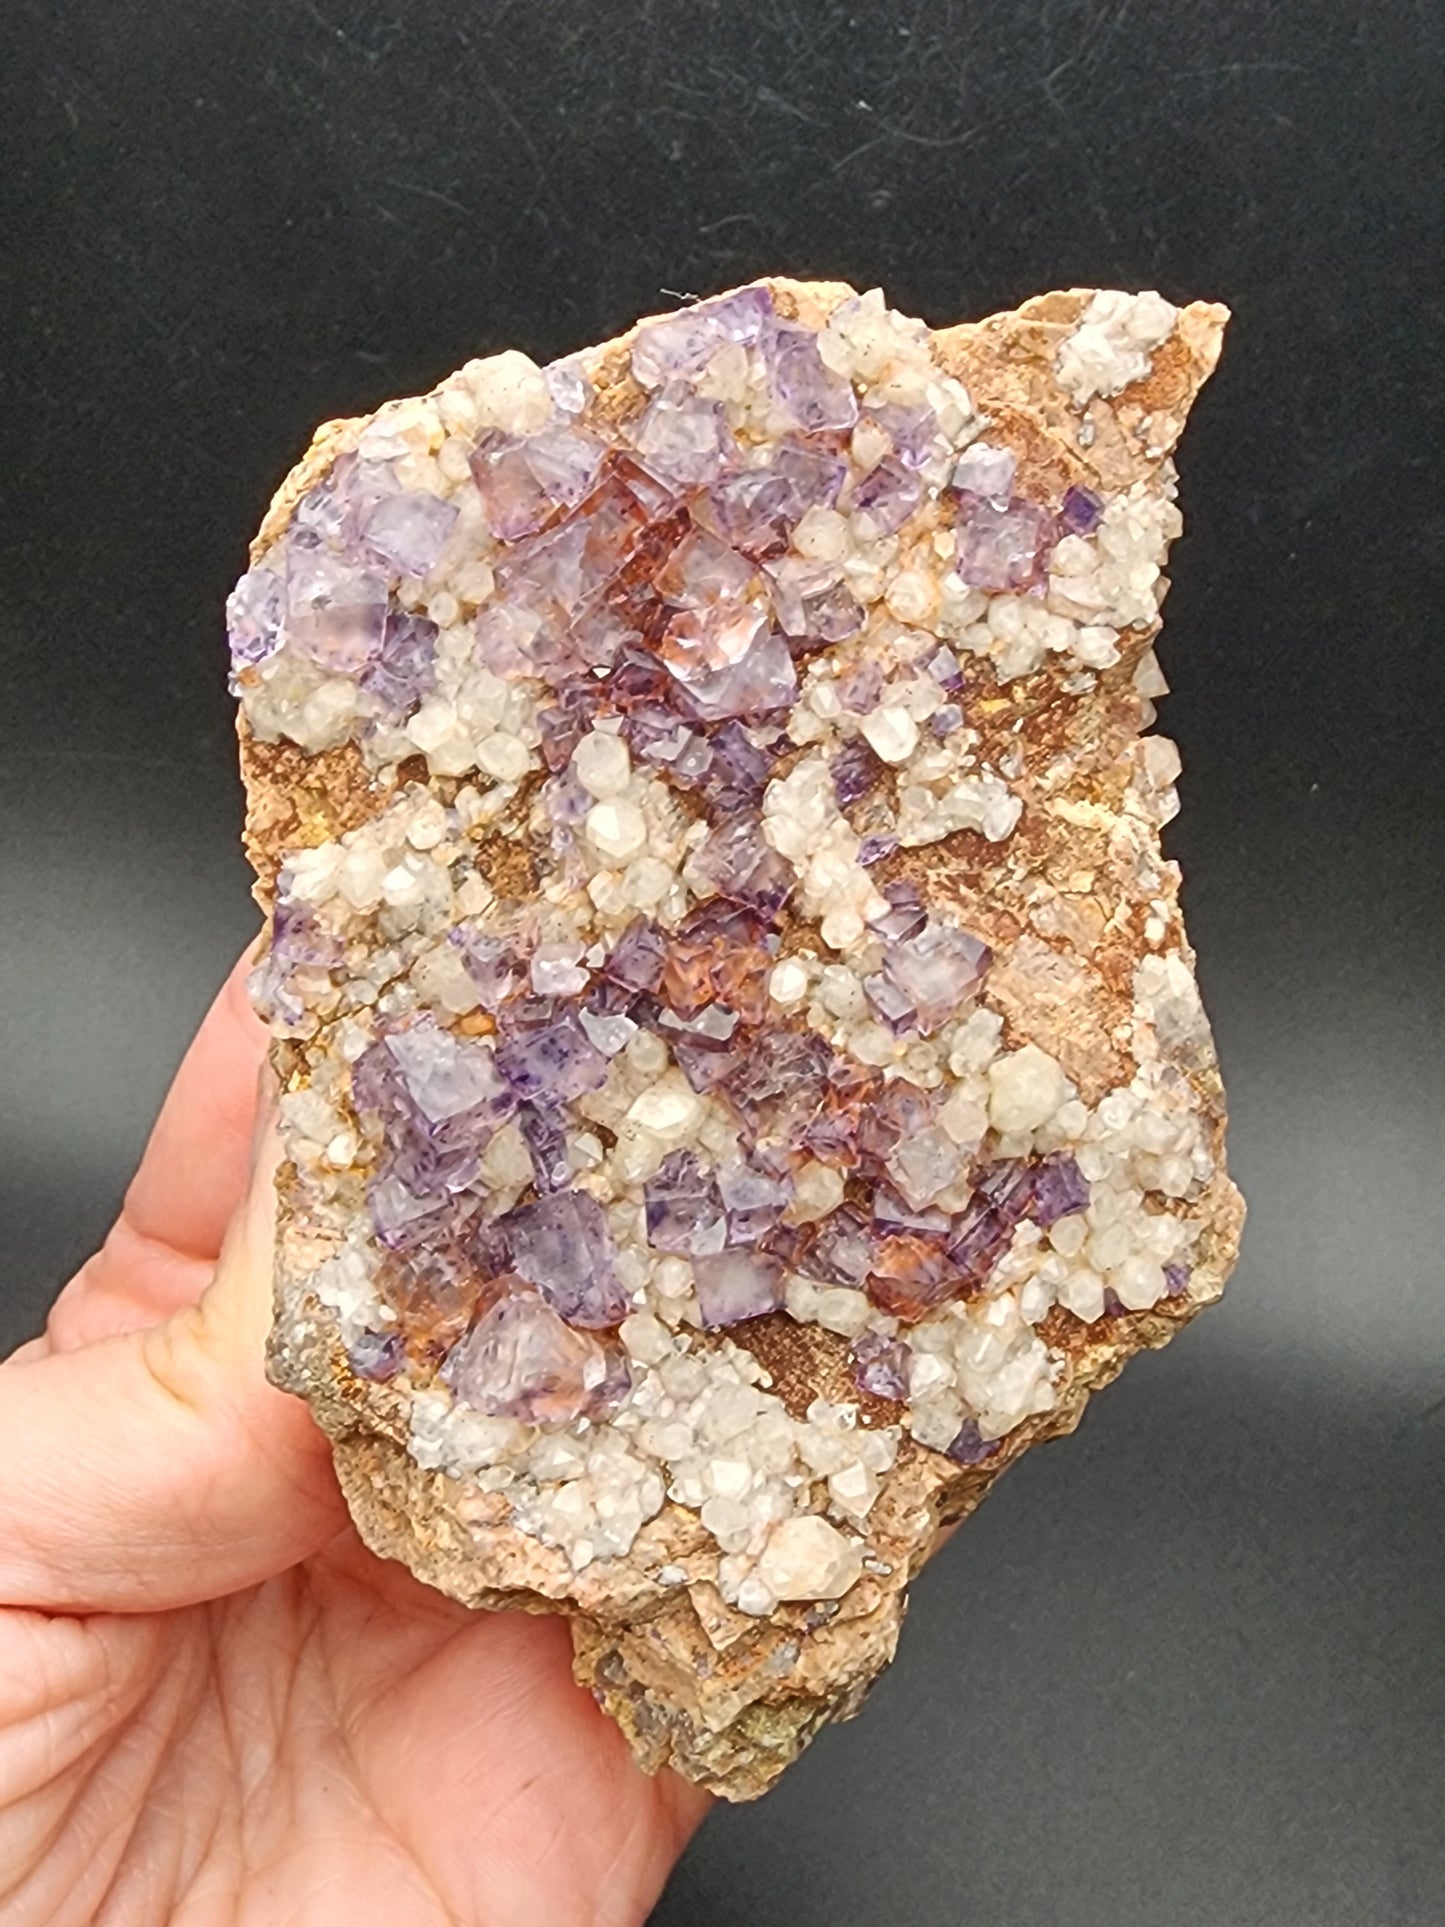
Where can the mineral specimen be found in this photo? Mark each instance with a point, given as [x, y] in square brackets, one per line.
[744, 1080]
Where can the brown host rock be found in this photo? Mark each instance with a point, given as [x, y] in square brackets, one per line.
[743, 1076]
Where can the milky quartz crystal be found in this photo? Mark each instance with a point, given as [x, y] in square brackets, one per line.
[743, 1076]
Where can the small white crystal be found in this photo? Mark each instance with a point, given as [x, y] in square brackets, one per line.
[616, 829]
[788, 984]
[510, 392]
[806, 1558]
[891, 732]
[1026, 1087]
[503, 756]
[602, 764]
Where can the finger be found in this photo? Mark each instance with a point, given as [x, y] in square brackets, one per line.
[161, 1250]
[194, 1171]
[132, 1282]
[157, 1467]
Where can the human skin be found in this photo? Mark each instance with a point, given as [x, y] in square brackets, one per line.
[216, 1706]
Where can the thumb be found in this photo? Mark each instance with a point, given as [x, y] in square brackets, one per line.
[155, 1468]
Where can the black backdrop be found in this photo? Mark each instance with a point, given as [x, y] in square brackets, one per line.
[1183, 1668]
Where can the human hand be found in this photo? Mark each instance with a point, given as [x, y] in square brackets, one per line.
[215, 1704]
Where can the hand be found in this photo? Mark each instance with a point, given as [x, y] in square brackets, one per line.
[215, 1704]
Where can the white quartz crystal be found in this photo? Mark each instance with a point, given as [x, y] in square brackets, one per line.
[806, 1558]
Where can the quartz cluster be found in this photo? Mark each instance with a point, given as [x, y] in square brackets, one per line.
[743, 1074]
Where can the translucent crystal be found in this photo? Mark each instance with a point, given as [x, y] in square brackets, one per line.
[522, 1361]
[409, 530]
[804, 385]
[986, 471]
[561, 1246]
[937, 971]
[684, 1211]
[1002, 547]
[335, 611]
[880, 1365]
[681, 345]
[735, 1285]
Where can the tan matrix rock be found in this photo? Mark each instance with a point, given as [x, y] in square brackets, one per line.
[744, 1078]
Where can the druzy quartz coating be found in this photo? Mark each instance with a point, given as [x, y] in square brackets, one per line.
[738, 924]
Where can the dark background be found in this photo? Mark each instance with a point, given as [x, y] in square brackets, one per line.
[1185, 1668]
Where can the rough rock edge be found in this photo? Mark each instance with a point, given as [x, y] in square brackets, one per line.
[726, 1700]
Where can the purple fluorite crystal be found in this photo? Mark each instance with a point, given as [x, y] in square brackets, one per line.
[697, 643]
[545, 1136]
[334, 510]
[911, 429]
[1081, 511]
[859, 688]
[888, 494]
[554, 1062]
[970, 1447]
[702, 571]
[254, 611]
[635, 960]
[521, 1361]
[987, 472]
[409, 530]
[682, 440]
[754, 1201]
[840, 1250]
[568, 384]
[880, 1365]
[737, 766]
[491, 964]
[899, 1109]
[447, 1076]
[298, 944]
[404, 671]
[681, 345]
[780, 1085]
[811, 603]
[804, 385]
[735, 1285]
[408, 1213]
[937, 971]
[856, 771]
[743, 866]
[377, 1355]
[761, 680]
[905, 915]
[1059, 1189]
[335, 612]
[978, 1239]
[684, 1212]
[522, 483]
[891, 1006]
[560, 1244]
[814, 473]
[942, 665]
[1002, 547]
[756, 508]
[749, 509]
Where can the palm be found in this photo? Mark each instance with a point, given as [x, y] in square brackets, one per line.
[293, 1729]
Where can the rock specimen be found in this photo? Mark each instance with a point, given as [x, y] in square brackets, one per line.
[744, 1080]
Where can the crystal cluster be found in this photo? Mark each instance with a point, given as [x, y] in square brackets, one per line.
[652, 1004]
